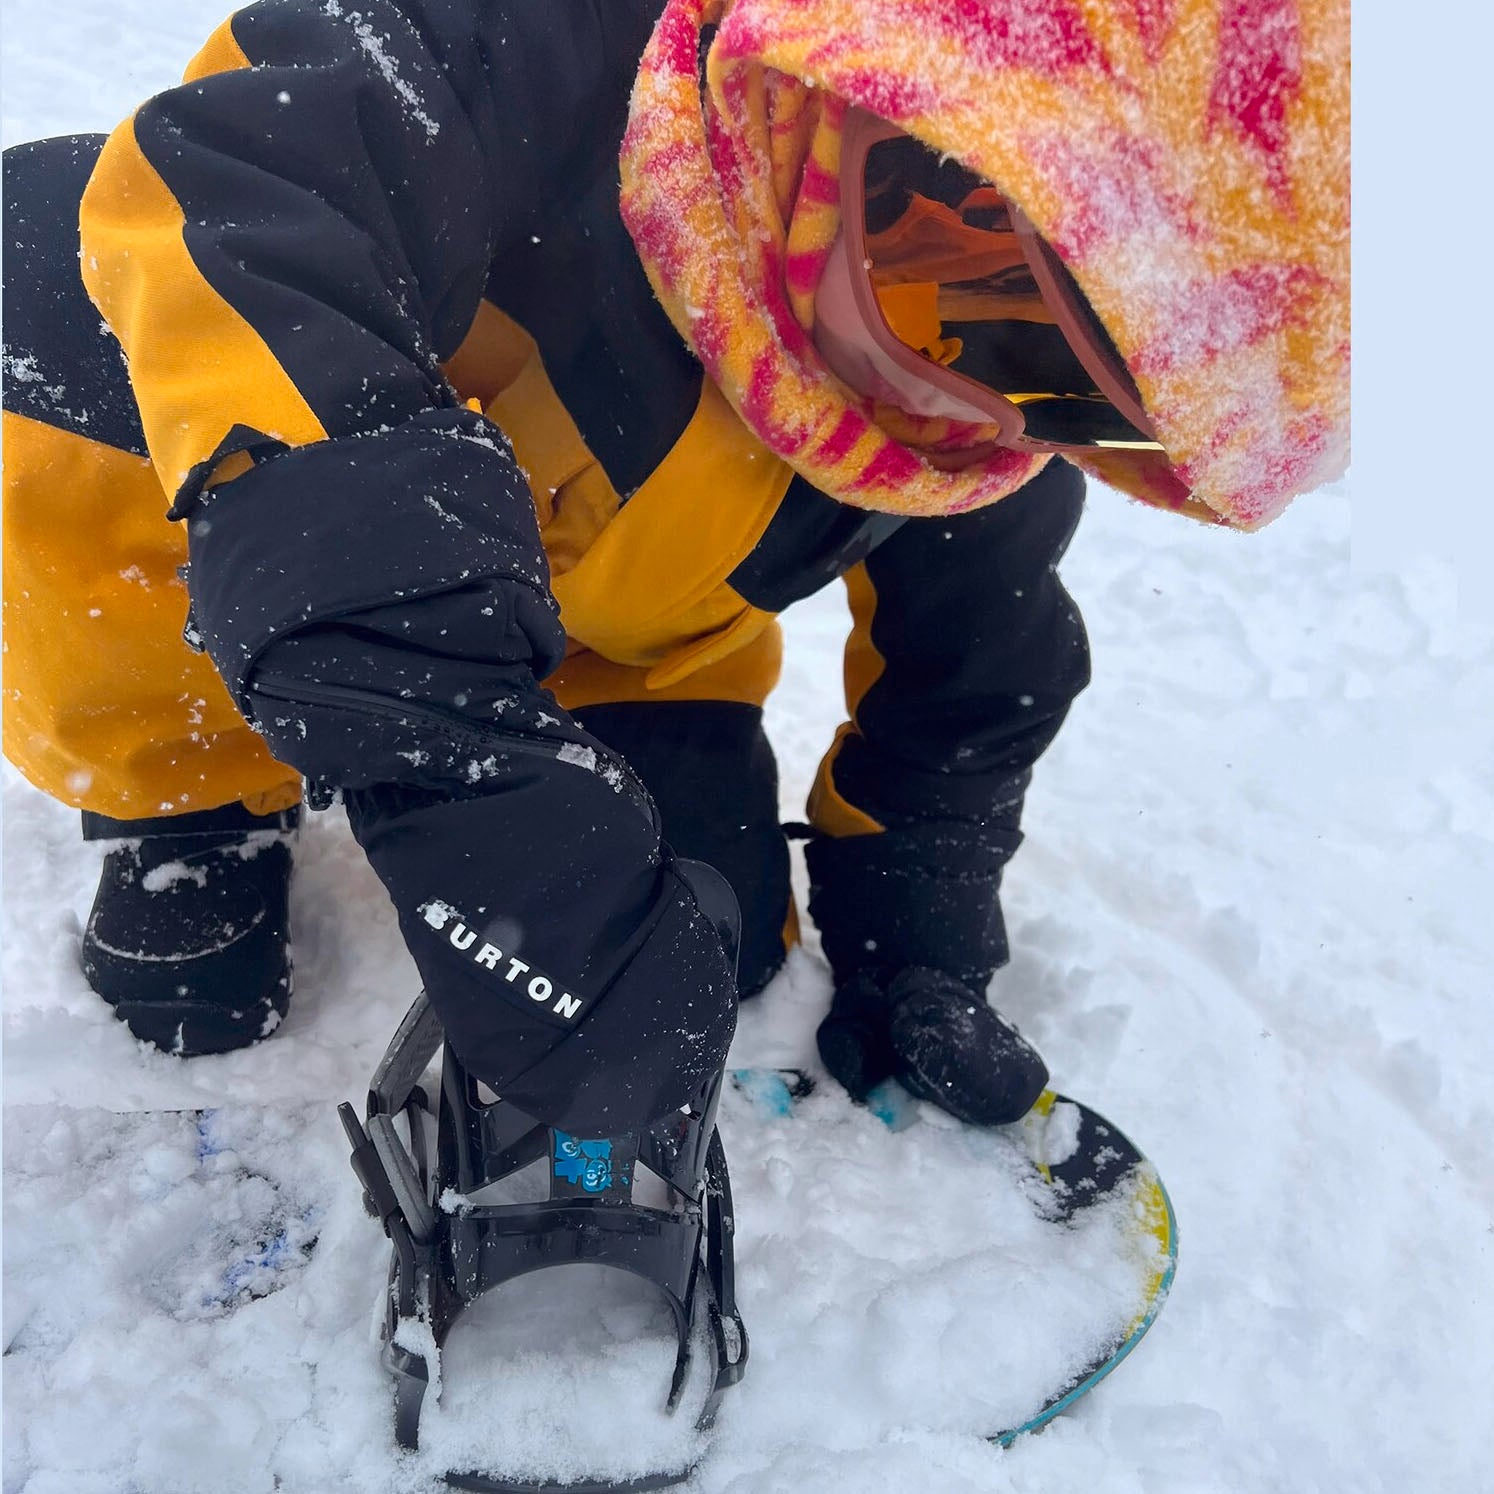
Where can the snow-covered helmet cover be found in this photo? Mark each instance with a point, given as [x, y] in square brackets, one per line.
[1187, 159]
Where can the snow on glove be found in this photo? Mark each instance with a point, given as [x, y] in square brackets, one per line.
[379, 608]
[941, 1041]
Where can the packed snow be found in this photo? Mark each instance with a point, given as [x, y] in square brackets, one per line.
[1250, 923]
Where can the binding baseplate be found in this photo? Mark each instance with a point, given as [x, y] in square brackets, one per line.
[445, 1256]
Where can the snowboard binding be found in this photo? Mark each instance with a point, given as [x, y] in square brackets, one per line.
[449, 1248]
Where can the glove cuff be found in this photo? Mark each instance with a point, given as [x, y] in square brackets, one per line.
[337, 583]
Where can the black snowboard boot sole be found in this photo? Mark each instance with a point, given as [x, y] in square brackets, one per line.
[189, 1028]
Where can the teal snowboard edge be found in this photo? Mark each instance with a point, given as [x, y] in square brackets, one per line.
[775, 1092]
[1093, 1378]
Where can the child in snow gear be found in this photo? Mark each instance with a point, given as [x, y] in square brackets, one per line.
[420, 472]
[352, 277]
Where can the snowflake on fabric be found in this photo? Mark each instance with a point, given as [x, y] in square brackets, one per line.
[1153, 22]
[1257, 75]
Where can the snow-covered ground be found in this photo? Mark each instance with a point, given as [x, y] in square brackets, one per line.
[1251, 923]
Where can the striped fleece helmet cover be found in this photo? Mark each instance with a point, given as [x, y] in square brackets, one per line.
[1187, 159]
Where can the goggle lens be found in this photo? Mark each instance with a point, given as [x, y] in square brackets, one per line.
[963, 281]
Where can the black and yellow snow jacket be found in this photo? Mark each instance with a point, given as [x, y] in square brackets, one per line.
[408, 213]
[394, 360]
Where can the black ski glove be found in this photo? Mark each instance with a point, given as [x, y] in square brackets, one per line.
[379, 608]
[941, 1041]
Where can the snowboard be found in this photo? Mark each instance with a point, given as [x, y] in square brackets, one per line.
[135, 1238]
[1076, 1161]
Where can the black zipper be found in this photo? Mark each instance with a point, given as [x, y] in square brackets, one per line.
[457, 730]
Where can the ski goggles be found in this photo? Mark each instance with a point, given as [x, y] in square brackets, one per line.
[941, 298]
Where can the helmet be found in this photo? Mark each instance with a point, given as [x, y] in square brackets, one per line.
[1176, 178]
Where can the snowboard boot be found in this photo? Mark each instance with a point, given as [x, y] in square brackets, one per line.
[189, 937]
[941, 1041]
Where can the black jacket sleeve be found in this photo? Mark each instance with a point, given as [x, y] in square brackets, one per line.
[322, 208]
[290, 244]
[372, 587]
[346, 193]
